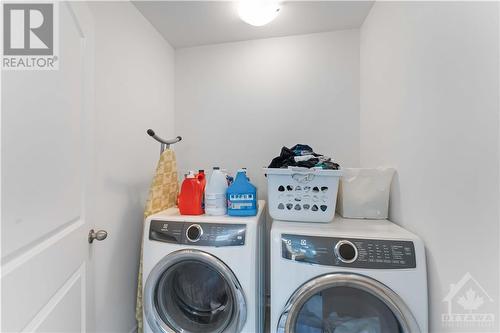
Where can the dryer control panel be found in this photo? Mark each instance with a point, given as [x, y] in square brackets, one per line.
[349, 252]
[201, 234]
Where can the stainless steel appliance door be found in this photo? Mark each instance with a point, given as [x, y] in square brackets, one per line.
[191, 291]
[346, 303]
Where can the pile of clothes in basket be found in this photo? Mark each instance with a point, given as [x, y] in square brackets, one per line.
[302, 156]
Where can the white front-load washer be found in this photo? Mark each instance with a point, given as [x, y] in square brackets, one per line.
[347, 276]
[203, 274]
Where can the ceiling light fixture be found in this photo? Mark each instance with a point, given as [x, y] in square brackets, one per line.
[258, 12]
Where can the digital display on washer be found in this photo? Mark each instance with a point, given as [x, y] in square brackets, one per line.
[349, 252]
[201, 234]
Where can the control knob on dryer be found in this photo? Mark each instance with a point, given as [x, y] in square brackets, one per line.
[346, 251]
[194, 232]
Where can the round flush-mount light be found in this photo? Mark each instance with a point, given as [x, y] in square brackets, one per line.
[258, 12]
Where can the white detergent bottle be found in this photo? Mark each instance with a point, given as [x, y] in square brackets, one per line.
[215, 193]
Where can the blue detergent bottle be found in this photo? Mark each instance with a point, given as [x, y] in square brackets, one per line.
[241, 196]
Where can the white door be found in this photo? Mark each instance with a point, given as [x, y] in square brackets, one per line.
[46, 172]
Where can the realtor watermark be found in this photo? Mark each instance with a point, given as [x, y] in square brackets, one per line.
[30, 36]
[469, 306]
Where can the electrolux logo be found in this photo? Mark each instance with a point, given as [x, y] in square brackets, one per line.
[30, 36]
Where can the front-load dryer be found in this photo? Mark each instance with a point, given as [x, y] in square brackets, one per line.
[347, 276]
[203, 274]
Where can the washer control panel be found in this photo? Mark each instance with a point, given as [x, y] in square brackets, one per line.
[349, 252]
[202, 234]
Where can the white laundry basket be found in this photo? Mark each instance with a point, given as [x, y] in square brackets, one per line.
[302, 194]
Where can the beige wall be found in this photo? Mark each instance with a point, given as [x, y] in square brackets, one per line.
[134, 91]
[238, 103]
[429, 107]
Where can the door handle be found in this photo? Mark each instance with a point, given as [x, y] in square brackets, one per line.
[98, 235]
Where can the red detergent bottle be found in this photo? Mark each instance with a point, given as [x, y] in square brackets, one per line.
[202, 178]
[190, 199]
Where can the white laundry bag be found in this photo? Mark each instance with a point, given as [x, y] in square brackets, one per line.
[364, 193]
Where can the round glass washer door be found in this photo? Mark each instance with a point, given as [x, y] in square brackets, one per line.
[342, 303]
[192, 291]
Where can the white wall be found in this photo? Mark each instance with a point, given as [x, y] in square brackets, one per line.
[429, 106]
[134, 91]
[238, 103]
